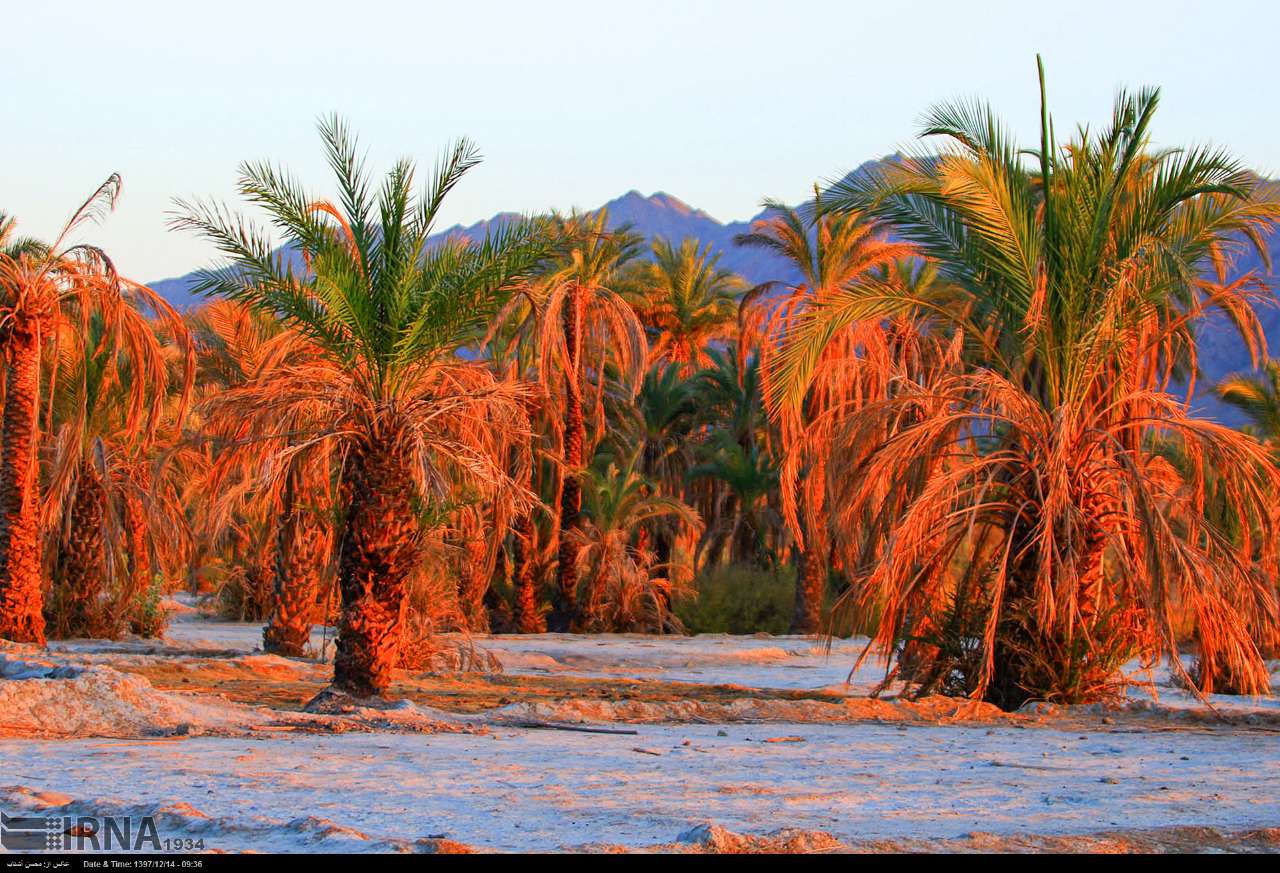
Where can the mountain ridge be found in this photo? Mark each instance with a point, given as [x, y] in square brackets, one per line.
[662, 214]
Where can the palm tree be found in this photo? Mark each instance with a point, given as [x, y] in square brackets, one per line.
[481, 530]
[662, 418]
[686, 301]
[736, 476]
[729, 395]
[1020, 545]
[285, 526]
[386, 310]
[235, 343]
[829, 252]
[659, 427]
[625, 588]
[742, 515]
[1257, 395]
[107, 408]
[153, 510]
[585, 325]
[44, 289]
[512, 352]
[302, 555]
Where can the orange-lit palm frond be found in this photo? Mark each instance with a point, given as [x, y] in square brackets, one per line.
[686, 300]
[584, 323]
[457, 423]
[857, 359]
[120, 377]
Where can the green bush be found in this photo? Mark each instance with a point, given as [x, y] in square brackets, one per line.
[740, 600]
[148, 616]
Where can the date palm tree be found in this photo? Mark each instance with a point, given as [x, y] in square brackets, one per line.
[1022, 543]
[742, 515]
[513, 350]
[288, 550]
[735, 474]
[585, 325]
[108, 404]
[685, 300]
[660, 426]
[625, 589]
[44, 289]
[829, 252]
[387, 309]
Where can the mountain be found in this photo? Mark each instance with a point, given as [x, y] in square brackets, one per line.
[658, 215]
[663, 215]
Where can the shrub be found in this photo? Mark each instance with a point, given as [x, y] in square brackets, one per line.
[740, 599]
[147, 615]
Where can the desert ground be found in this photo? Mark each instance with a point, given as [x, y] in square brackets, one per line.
[616, 743]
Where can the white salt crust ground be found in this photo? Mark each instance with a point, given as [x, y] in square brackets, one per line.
[247, 778]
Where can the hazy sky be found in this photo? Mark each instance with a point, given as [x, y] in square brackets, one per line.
[718, 103]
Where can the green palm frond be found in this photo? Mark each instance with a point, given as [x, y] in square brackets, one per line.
[1257, 395]
[374, 291]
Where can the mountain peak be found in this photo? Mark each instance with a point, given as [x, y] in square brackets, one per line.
[633, 199]
[659, 214]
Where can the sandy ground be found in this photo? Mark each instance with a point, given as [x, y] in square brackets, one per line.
[711, 744]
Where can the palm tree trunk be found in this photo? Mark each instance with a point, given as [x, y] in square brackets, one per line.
[565, 614]
[301, 553]
[474, 582]
[1015, 677]
[379, 549]
[811, 587]
[21, 608]
[139, 547]
[528, 617]
[477, 566]
[82, 561]
[258, 552]
[662, 553]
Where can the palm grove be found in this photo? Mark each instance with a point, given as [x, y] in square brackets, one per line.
[961, 427]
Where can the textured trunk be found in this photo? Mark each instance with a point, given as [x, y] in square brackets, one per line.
[301, 554]
[1097, 508]
[1013, 673]
[565, 614]
[592, 617]
[811, 586]
[1035, 661]
[528, 617]
[139, 554]
[743, 545]
[21, 609]
[83, 560]
[379, 548]
[662, 549]
[476, 574]
[474, 582]
[259, 556]
[811, 583]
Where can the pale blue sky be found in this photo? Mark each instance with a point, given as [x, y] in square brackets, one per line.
[573, 103]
